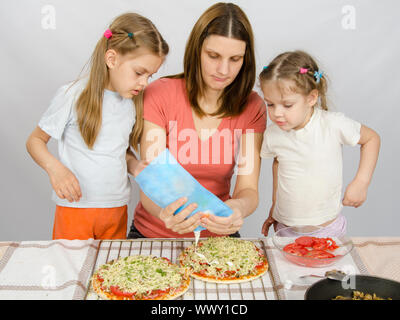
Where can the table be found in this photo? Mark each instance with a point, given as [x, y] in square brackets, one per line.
[61, 269]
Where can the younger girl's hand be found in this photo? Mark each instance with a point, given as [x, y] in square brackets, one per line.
[269, 222]
[224, 225]
[355, 194]
[65, 184]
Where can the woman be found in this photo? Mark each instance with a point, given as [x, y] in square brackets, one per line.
[189, 113]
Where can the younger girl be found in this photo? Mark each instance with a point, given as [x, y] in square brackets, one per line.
[305, 140]
[92, 119]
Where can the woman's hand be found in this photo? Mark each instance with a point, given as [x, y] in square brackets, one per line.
[269, 222]
[178, 223]
[355, 194]
[64, 183]
[224, 225]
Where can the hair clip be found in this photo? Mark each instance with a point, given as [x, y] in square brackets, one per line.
[108, 33]
[265, 67]
[318, 75]
[303, 70]
[130, 35]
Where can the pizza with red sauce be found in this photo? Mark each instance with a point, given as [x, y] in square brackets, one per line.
[140, 278]
[224, 260]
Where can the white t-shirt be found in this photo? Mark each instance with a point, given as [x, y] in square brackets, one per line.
[310, 167]
[102, 171]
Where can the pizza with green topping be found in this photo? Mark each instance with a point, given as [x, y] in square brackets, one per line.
[140, 278]
[224, 260]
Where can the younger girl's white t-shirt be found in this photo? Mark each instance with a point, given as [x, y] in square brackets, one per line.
[309, 188]
[101, 171]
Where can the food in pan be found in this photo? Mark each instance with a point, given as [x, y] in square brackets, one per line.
[224, 260]
[140, 278]
[357, 295]
[312, 247]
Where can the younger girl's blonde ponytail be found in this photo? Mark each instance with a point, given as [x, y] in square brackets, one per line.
[301, 68]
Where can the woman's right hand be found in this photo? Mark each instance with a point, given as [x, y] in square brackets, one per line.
[178, 223]
[64, 183]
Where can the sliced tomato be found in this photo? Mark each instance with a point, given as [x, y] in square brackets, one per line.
[295, 249]
[156, 293]
[161, 292]
[320, 244]
[118, 292]
[100, 278]
[324, 244]
[333, 247]
[292, 246]
[305, 241]
[331, 244]
[319, 254]
[260, 252]
[166, 259]
[230, 273]
[202, 272]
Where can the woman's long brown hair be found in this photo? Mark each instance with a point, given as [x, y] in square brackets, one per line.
[89, 103]
[228, 20]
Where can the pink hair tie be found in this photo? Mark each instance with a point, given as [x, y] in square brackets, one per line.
[108, 33]
[303, 70]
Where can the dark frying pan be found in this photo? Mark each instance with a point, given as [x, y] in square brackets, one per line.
[326, 289]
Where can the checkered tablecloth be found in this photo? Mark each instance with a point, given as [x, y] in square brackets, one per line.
[44, 270]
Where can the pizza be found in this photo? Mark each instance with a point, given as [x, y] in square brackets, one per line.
[140, 278]
[224, 260]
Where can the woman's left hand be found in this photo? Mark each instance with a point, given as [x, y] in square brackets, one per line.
[224, 225]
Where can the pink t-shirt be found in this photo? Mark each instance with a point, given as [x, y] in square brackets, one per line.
[212, 161]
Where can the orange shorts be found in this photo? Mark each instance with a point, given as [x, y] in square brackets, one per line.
[86, 223]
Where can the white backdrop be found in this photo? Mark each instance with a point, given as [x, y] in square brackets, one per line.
[45, 44]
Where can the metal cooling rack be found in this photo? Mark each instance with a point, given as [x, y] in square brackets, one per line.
[263, 288]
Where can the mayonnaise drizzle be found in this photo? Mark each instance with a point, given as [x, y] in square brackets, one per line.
[196, 237]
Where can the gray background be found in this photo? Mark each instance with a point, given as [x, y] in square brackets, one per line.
[360, 56]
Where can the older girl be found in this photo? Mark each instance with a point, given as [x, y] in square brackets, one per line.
[92, 120]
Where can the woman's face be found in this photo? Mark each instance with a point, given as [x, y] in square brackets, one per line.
[221, 61]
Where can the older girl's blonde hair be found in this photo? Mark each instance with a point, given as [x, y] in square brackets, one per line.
[130, 31]
[287, 65]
